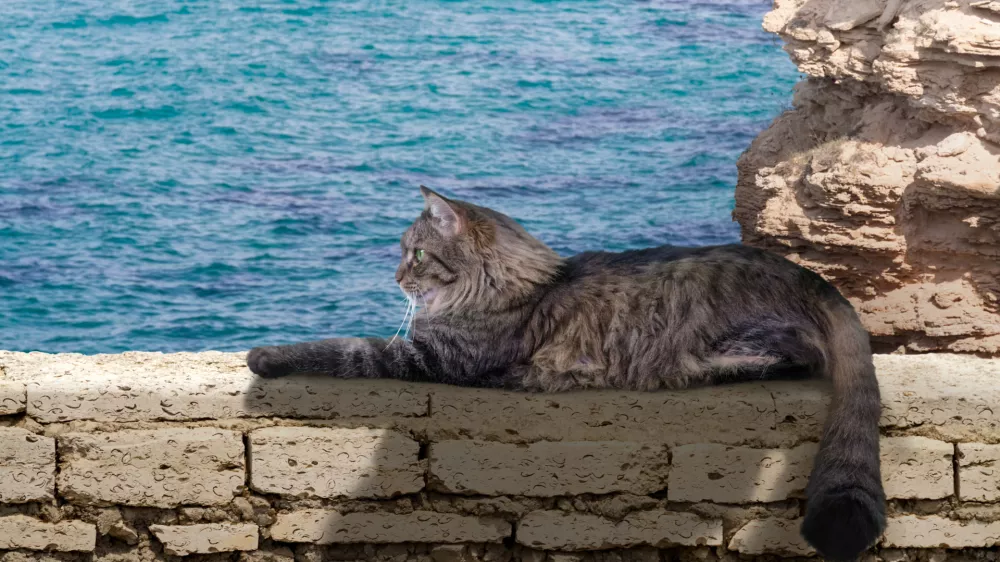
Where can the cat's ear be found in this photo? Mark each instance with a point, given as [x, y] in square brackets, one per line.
[448, 218]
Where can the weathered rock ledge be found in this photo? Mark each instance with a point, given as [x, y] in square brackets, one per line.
[885, 177]
[146, 456]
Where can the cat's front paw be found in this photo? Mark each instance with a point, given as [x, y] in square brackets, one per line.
[267, 362]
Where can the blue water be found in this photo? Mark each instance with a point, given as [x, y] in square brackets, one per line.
[188, 175]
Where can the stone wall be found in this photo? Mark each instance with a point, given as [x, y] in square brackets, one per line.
[144, 456]
[885, 176]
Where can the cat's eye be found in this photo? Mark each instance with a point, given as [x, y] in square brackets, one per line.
[418, 255]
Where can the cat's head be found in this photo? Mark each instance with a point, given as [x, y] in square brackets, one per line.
[461, 257]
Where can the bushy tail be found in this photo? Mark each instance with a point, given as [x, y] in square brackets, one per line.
[845, 511]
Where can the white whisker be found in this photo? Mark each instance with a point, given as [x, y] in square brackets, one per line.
[406, 316]
[413, 307]
[418, 302]
[413, 320]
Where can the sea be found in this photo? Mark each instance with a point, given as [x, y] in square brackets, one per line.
[194, 175]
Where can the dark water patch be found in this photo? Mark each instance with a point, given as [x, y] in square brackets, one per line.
[304, 12]
[710, 23]
[248, 108]
[76, 23]
[294, 166]
[712, 33]
[118, 61]
[155, 113]
[651, 123]
[127, 20]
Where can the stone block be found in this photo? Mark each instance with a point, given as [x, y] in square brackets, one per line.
[915, 399]
[979, 472]
[21, 531]
[273, 554]
[182, 540]
[942, 396]
[548, 468]
[452, 553]
[141, 386]
[734, 414]
[27, 466]
[13, 397]
[723, 474]
[777, 414]
[335, 462]
[800, 408]
[911, 531]
[322, 526]
[771, 536]
[559, 530]
[152, 468]
[917, 467]
[912, 467]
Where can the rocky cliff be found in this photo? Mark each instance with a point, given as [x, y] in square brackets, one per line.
[885, 175]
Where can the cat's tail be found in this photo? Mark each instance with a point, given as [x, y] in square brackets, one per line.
[845, 511]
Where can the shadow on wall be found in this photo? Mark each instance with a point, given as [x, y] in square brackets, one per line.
[578, 471]
[342, 448]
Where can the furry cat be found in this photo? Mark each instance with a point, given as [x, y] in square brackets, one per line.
[500, 309]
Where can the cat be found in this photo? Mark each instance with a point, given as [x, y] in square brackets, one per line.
[500, 309]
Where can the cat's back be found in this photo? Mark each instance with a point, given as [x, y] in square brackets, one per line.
[665, 258]
[730, 269]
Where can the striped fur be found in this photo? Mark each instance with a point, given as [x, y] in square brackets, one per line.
[502, 310]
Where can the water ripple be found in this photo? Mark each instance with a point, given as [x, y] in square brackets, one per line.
[214, 175]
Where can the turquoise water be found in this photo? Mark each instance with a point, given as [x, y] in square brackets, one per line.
[185, 175]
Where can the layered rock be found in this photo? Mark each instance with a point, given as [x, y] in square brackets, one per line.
[885, 176]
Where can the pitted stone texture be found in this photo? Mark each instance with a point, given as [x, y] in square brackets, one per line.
[718, 473]
[182, 540]
[13, 397]
[319, 526]
[548, 468]
[917, 467]
[559, 530]
[152, 468]
[947, 397]
[273, 554]
[912, 467]
[20, 531]
[735, 414]
[800, 408]
[771, 536]
[910, 531]
[335, 462]
[917, 398]
[27, 466]
[979, 472]
[140, 386]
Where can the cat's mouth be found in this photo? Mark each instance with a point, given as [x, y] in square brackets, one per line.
[422, 298]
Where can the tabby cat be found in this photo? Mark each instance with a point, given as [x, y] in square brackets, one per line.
[500, 309]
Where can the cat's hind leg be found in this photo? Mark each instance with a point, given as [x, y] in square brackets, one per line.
[768, 349]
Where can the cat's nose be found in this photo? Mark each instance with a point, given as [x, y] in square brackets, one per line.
[400, 272]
